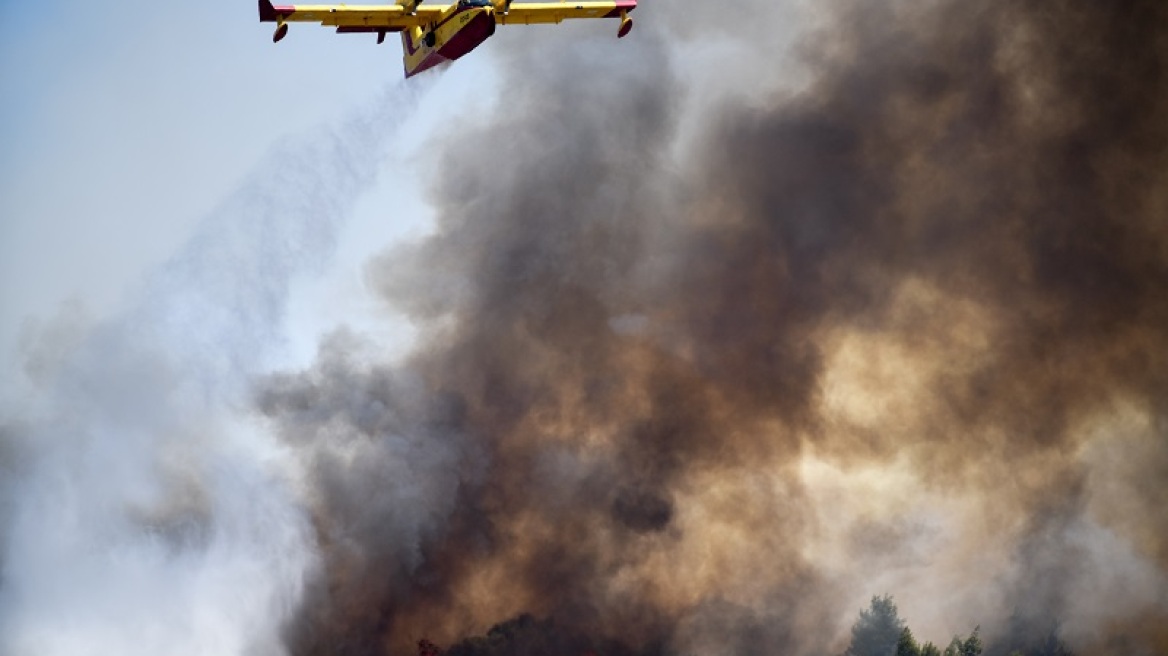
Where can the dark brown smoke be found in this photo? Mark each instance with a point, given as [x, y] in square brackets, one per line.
[904, 329]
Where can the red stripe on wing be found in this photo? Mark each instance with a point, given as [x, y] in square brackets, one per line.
[621, 6]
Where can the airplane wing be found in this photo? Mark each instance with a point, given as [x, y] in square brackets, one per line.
[527, 13]
[350, 18]
[396, 17]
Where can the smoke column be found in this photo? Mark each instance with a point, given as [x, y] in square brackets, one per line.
[141, 512]
[903, 329]
[701, 373]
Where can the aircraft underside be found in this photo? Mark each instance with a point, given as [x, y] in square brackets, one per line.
[435, 33]
[464, 32]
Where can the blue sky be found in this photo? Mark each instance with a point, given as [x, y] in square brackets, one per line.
[124, 124]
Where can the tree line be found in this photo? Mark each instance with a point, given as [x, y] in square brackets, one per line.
[879, 631]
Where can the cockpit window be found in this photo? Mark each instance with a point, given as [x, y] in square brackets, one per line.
[474, 3]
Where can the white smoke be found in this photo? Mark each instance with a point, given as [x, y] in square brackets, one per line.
[141, 512]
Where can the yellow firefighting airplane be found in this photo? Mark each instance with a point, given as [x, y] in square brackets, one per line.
[432, 35]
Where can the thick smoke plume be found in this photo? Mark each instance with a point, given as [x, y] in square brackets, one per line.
[904, 329]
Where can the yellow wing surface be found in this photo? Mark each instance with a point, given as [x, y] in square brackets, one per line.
[531, 13]
[391, 18]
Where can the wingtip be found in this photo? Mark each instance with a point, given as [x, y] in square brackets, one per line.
[267, 11]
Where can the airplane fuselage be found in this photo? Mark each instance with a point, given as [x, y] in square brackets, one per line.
[464, 29]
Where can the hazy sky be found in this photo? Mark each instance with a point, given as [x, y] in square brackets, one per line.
[123, 125]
